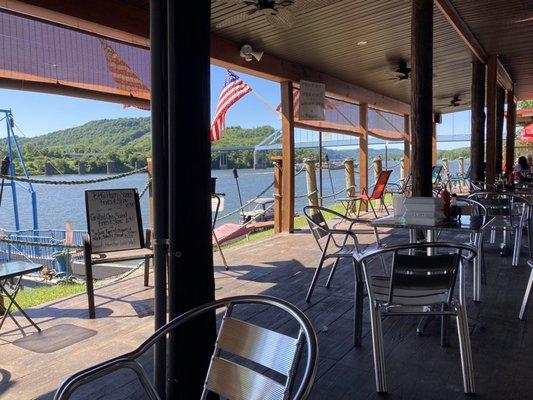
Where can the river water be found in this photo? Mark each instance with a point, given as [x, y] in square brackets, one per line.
[60, 204]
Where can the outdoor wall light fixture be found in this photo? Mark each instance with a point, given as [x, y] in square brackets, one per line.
[249, 54]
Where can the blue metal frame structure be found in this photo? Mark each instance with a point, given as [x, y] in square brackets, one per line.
[12, 144]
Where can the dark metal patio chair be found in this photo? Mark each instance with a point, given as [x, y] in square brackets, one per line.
[527, 293]
[339, 244]
[403, 186]
[511, 213]
[419, 285]
[227, 377]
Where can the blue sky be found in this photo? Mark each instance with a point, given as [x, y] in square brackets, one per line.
[38, 113]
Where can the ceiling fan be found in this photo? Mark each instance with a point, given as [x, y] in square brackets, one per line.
[401, 71]
[279, 13]
[456, 101]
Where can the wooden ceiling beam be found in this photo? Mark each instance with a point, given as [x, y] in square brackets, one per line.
[457, 23]
[109, 18]
[475, 46]
[226, 54]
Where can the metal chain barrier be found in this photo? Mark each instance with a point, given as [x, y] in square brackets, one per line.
[79, 182]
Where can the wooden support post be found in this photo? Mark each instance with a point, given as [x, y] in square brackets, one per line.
[511, 128]
[190, 231]
[278, 211]
[377, 165]
[500, 111]
[492, 88]
[349, 177]
[310, 175]
[363, 151]
[406, 146]
[477, 141]
[434, 151]
[287, 143]
[421, 95]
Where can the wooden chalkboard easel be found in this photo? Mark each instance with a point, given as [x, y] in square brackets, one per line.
[115, 234]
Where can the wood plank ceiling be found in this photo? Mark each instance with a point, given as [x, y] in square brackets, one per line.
[505, 28]
[327, 38]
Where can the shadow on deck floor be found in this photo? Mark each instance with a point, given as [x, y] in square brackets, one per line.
[417, 367]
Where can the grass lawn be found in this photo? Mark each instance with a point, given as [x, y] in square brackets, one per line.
[34, 297]
[299, 223]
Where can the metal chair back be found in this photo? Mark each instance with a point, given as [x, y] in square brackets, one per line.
[317, 223]
[237, 340]
[435, 174]
[502, 205]
[476, 208]
[416, 278]
[421, 279]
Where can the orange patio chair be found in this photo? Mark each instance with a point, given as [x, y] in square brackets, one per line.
[378, 193]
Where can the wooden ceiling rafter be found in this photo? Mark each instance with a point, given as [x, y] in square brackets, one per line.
[478, 51]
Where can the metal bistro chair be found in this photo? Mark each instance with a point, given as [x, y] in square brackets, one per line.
[378, 193]
[230, 379]
[334, 244]
[510, 214]
[419, 285]
[527, 294]
[475, 208]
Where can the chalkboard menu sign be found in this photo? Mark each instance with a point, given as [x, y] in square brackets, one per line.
[114, 220]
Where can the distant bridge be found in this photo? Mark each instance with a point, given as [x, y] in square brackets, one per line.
[352, 141]
[272, 142]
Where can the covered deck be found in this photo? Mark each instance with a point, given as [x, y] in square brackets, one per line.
[282, 266]
[408, 60]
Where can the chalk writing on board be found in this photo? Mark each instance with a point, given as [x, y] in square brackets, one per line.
[113, 220]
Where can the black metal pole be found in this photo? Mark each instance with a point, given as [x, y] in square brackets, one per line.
[4, 171]
[158, 105]
[321, 167]
[190, 262]
[236, 176]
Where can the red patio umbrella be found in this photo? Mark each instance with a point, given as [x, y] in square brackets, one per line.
[526, 134]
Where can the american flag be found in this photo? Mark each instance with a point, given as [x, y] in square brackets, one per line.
[234, 89]
[125, 78]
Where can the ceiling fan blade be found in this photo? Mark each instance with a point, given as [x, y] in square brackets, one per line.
[284, 18]
[235, 19]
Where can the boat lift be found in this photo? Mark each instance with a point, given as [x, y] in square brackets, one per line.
[12, 148]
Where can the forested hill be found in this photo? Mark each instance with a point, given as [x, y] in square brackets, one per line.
[127, 141]
[97, 136]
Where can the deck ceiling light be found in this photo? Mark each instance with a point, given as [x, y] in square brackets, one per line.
[362, 42]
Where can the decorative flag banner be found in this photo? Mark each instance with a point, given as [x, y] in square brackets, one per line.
[123, 75]
[234, 89]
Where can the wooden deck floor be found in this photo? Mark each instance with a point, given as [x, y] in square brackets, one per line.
[417, 367]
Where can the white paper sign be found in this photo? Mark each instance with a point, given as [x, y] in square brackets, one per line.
[114, 220]
[312, 99]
